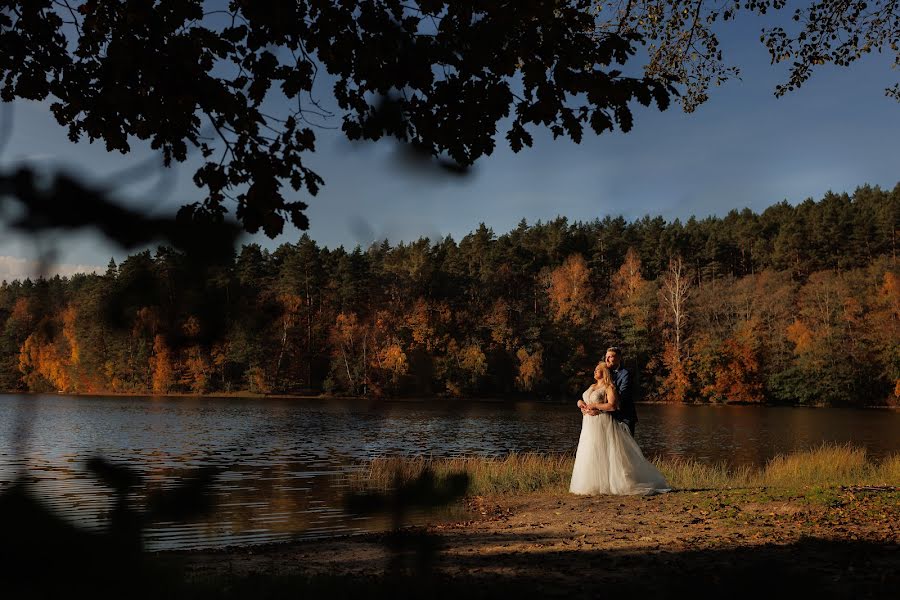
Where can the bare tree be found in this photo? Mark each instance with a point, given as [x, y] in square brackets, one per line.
[675, 291]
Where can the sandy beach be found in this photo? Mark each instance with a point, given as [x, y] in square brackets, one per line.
[842, 542]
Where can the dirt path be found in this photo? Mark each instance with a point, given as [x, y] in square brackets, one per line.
[703, 543]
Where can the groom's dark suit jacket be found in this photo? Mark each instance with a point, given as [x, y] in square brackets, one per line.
[625, 412]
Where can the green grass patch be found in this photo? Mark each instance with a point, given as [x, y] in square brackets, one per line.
[830, 497]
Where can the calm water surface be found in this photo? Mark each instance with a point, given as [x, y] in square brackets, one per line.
[283, 462]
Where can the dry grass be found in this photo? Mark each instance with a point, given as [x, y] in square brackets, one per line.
[514, 473]
[690, 474]
[827, 465]
[888, 471]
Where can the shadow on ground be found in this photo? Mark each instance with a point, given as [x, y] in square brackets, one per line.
[45, 558]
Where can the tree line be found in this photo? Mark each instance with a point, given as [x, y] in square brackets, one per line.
[796, 305]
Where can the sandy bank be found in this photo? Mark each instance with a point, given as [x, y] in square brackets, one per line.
[828, 541]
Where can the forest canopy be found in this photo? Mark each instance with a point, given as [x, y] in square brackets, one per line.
[797, 304]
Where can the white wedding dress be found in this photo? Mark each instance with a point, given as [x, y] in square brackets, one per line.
[608, 460]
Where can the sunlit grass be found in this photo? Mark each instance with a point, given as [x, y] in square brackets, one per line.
[514, 473]
[691, 474]
[827, 465]
[888, 472]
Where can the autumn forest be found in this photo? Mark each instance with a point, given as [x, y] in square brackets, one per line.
[796, 305]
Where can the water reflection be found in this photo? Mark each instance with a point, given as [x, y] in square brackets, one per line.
[282, 463]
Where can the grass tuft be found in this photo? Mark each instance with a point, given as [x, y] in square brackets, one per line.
[828, 464]
[512, 474]
[825, 466]
[888, 471]
[690, 474]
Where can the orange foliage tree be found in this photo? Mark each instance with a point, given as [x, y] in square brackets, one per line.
[733, 366]
[388, 363]
[529, 310]
[738, 326]
[46, 359]
[162, 371]
[43, 365]
[882, 324]
[420, 321]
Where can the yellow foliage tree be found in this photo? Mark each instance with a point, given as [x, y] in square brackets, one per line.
[197, 367]
[473, 363]
[497, 321]
[530, 368]
[197, 370]
[630, 292]
[569, 292]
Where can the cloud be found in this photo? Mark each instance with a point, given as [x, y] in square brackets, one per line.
[35, 157]
[362, 232]
[12, 267]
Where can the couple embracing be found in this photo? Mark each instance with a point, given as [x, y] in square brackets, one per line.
[608, 460]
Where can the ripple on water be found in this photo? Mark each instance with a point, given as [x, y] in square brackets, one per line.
[283, 465]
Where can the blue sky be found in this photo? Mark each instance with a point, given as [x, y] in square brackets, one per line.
[743, 148]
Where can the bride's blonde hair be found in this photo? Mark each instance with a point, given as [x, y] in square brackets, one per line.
[605, 376]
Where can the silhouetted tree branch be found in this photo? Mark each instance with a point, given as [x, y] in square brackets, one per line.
[443, 77]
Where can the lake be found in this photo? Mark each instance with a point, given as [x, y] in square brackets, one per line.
[282, 462]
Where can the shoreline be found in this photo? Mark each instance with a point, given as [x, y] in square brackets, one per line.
[825, 521]
[413, 400]
[825, 507]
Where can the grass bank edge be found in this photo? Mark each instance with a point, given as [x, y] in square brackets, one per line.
[828, 465]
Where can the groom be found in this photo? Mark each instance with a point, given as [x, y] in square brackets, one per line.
[625, 413]
[622, 380]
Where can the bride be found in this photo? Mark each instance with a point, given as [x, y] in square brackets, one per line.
[608, 460]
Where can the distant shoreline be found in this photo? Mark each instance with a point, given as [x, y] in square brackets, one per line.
[421, 399]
